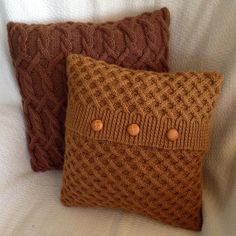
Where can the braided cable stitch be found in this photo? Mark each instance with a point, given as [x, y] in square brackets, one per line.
[39, 57]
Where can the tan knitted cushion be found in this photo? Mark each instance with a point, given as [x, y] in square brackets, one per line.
[152, 167]
[39, 54]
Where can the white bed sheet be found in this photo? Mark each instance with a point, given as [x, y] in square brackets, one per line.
[203, 37]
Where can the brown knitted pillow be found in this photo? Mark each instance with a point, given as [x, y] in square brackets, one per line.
[135, 139]
[39, 54]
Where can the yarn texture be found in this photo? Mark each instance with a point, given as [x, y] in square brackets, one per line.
[153, 168]
[39, 57]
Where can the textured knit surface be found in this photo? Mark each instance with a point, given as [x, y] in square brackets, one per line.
[39, 51]
[202, 39]
[147, 173]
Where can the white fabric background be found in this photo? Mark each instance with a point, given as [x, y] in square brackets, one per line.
[203, 38]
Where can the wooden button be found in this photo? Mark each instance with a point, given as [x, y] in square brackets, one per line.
[96, 125]
[172, 134]
[133, 129]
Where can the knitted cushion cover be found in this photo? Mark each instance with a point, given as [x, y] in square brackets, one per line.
[39, 55]
[156, 171]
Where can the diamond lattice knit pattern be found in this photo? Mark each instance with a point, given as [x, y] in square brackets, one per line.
[147, 173]
[39, 55]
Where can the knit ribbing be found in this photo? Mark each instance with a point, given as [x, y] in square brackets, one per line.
[193, 134]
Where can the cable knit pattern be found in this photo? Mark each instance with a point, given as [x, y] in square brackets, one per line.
[150, 173]
[39, 53]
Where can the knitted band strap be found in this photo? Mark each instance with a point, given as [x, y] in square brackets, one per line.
[193, 134]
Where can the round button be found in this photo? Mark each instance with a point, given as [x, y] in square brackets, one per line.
[172, 134]
[133, 129]
[96, 125]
